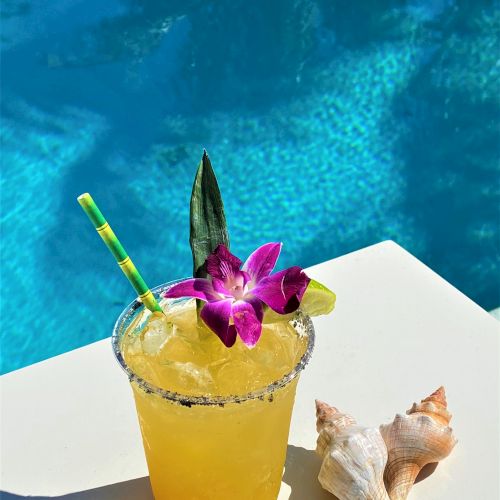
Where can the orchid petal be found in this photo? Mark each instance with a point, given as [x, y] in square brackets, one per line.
[216, 317]
[199, 288]
[262, 261]
[220, 287]
[247, 316]
[284, 290]
[222, 264]
[246, 277]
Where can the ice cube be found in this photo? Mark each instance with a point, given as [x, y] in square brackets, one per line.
[177, 348]
[187, 378]
[155, 333]
[181, 313]
[236, 376]
[133, 346]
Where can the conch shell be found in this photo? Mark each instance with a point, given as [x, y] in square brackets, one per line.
[354, 457]
[420, 437]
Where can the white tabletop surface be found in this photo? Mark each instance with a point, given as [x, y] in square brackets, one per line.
[399, 331]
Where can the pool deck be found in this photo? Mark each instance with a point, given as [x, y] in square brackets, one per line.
[399, 331]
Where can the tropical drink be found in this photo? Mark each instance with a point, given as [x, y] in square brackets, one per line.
[214, 420]
[214, 365]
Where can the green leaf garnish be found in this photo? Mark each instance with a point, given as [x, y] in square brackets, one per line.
[208, 222]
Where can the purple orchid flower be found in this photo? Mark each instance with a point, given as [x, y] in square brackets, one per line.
[241, 294]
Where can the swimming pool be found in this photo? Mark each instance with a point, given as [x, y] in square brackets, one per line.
[331, 127]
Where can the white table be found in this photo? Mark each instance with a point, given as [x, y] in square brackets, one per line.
[399, 331]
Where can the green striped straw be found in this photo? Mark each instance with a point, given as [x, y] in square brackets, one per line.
[119, 253]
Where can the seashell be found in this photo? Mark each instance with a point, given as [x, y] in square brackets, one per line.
[420, 437]
[354, 457]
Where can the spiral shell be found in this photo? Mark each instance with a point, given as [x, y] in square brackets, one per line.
[354, 457]
[420, 437]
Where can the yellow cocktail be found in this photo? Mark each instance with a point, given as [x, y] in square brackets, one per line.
[214, 392]
[214, 420]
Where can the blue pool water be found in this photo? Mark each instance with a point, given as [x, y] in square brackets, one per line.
[331, 126]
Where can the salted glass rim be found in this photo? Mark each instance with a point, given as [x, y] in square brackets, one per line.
[187, 400]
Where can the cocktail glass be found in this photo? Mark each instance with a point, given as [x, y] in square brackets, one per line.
[214, 447]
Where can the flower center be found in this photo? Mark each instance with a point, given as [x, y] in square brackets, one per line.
[236, 286]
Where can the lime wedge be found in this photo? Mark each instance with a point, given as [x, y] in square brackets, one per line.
[271, 316]
[317, 300]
